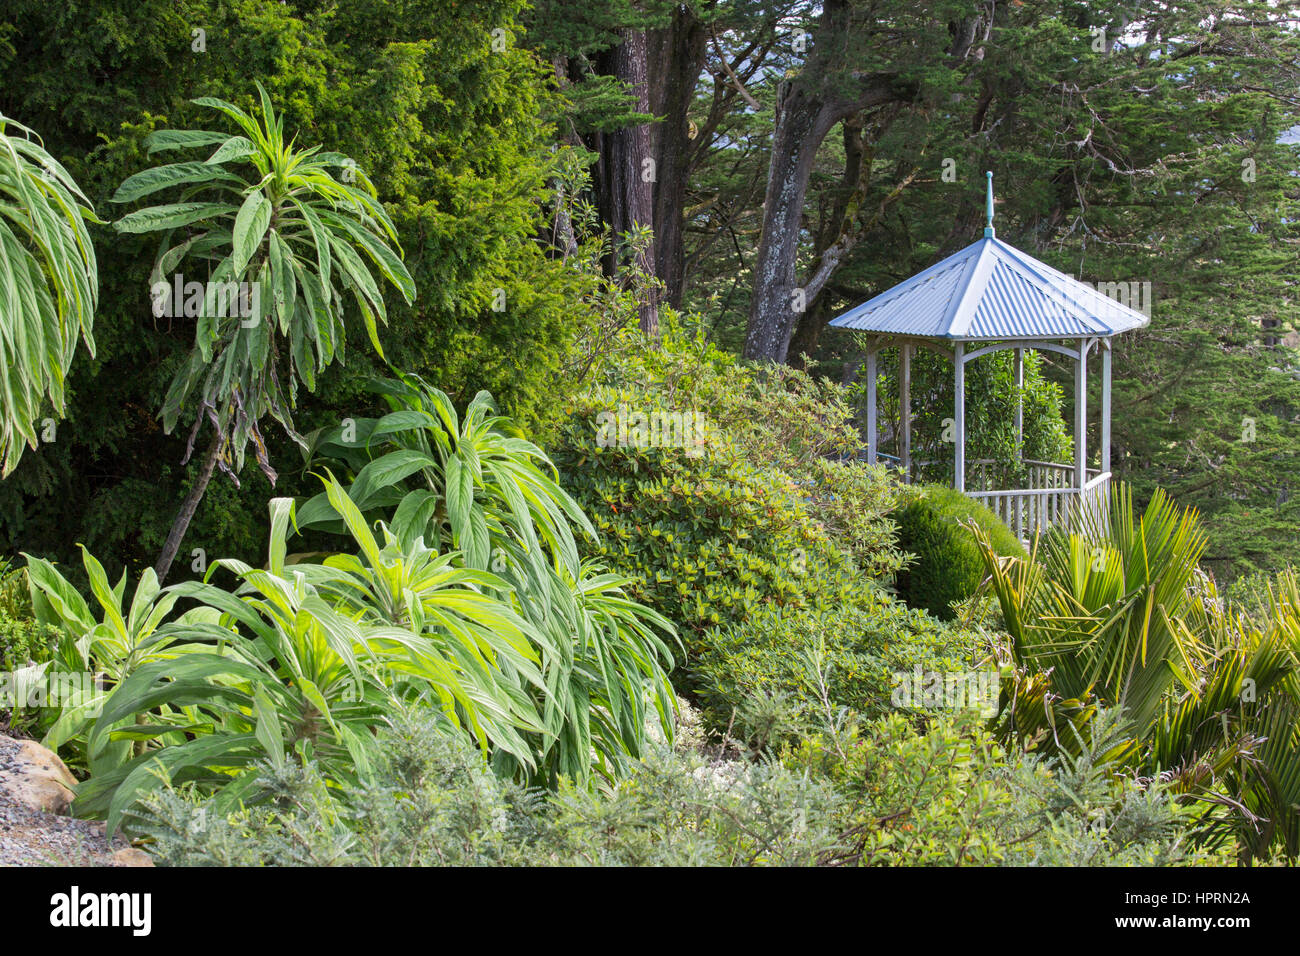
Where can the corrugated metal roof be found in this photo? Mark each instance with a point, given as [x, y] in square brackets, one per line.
[988, 292]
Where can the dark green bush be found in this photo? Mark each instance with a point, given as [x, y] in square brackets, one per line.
[948, 566]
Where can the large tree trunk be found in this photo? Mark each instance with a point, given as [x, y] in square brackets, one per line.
[802, 123]
[804, 116]
[828, 89]
[831, 238]
[188, 507]
[626, 169]
[678, 56]
[558, 235]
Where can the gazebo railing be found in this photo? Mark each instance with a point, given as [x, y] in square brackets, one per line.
[986, 474]
[1048, 499]
[1030, 511]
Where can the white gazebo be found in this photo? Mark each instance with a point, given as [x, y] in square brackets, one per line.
[987, 298]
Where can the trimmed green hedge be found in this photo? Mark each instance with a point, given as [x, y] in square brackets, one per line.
[948, 567]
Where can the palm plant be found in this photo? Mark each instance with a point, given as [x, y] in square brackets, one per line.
[1098, 605]
[1262, 674]
[49, 286]
[272, 222]
[1114, 612]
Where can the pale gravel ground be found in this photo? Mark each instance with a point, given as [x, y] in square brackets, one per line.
[32, 838]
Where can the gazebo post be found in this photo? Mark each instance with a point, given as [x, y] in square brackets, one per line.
[872, 438]
[1081, 417]
[959, 416]
[905, 408]
[1105, 406]
[1020, 403]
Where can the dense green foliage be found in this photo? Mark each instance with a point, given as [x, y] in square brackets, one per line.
[948, 568]
[470, 486]
[1114, 612]
[745, 506]
[780, 673]
[887, 796]
[49, 283]
[452, 132]
[547, 667]
[647, 605]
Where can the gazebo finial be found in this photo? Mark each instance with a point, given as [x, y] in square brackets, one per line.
[988, 226]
